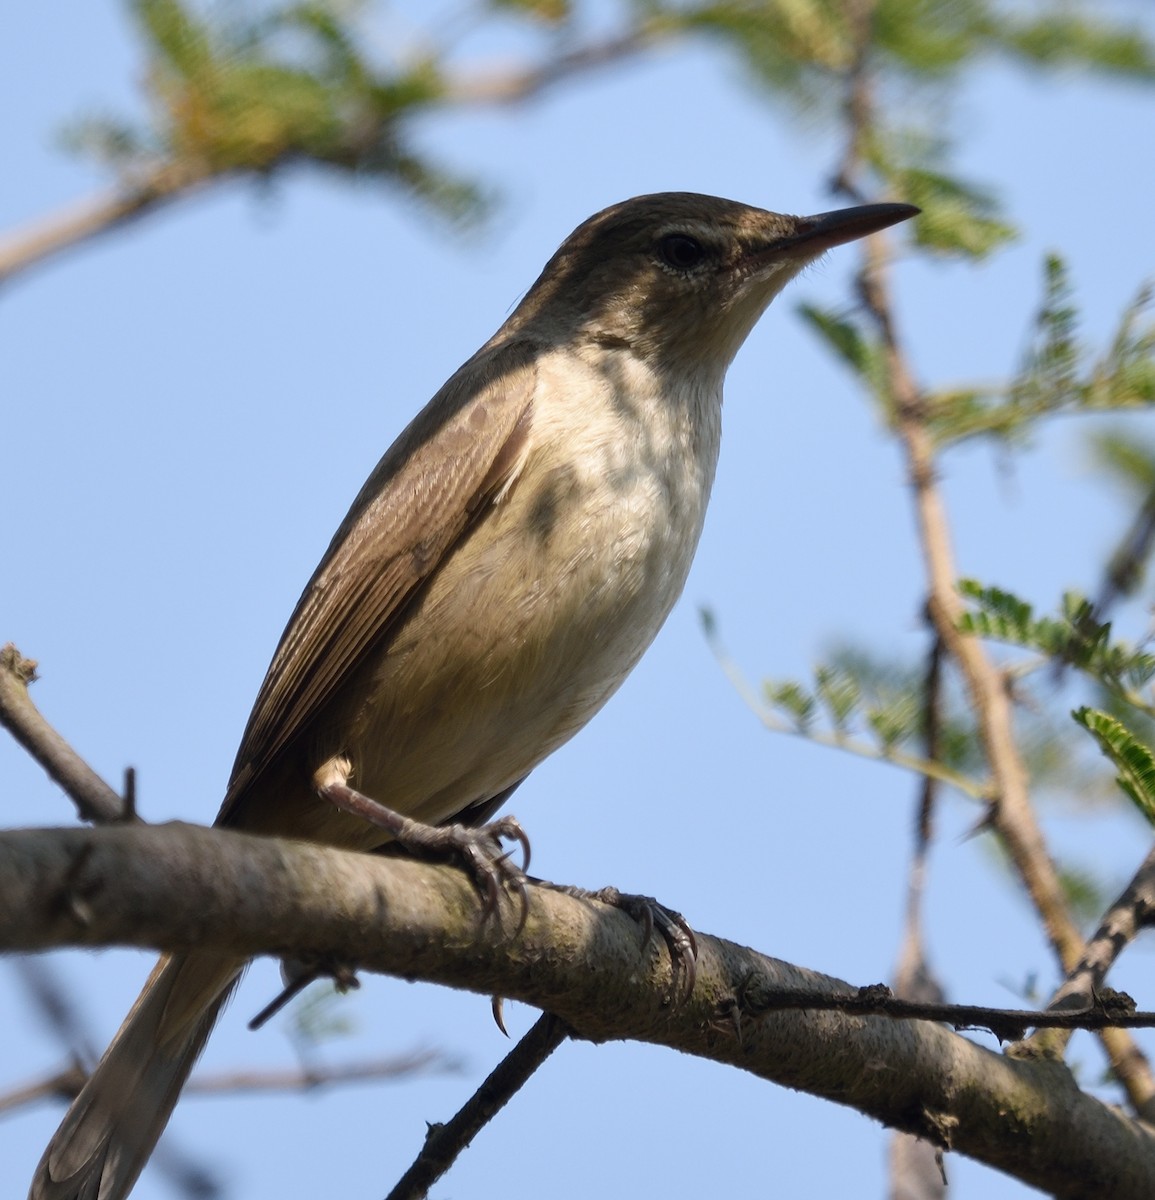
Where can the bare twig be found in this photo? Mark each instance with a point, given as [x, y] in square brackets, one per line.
[922, 765]
[66, 1083]
[374, 1070]
[54, 1005]
[1131, 912]
[912, 960]
[60, 1085]
[1125, 569]
[514, 86]
[1109, 1011]
[445, 1142]
[916, 1166]
[95, 800]
[144, 193]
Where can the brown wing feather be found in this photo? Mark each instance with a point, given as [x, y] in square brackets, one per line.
[456, 454]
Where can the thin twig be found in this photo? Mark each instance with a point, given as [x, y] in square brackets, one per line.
[297, 1079]
[79, 222]
[444, 1143]
[94, 799]
[60, 1085]
[1011, 811]
[912, 979]
[1124, 920]
[511, 87]
[918, 765]
[1133, 911]
[1110, 1011]
[1127, 564]
[916, 1166]
[66, 1083]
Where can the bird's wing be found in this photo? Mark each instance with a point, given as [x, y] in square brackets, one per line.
[457, 454]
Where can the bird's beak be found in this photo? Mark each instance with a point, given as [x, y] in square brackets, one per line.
[815, 235]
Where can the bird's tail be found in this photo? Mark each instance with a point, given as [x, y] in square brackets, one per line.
[110, 1130]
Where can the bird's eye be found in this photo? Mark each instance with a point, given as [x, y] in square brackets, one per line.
[680, 251]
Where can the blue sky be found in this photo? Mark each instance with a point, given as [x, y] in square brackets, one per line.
[190, 407]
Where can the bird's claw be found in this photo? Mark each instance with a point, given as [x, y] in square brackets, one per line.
[488, 864]
[477, 847]
[671, 926]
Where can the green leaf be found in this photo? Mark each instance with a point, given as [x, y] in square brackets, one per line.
[1058, 375]
[794, 48]
[1133, 761]
[1125, 459]
[250, 89]
[552, 12]
[930, 37]
[1048, 378]
[896, 722]
[845, 338]
[181, 39]
[1067, 39]
[1002, 615]
[957, 218]
[839, 694]
[1125, 376]
[793, 700]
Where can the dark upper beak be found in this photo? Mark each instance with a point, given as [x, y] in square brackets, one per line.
[814, 235]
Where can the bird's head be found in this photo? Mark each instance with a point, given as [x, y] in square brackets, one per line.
[680, 278]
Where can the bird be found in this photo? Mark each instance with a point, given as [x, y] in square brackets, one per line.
[499, 574]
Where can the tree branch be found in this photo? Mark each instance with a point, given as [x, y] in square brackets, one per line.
[66, 1083]
[916, 1169]
[1010, 812]
[1121, 924]
[93, 797]
[178, 886]
[445, 1142]
[146, 190]
[514, 86]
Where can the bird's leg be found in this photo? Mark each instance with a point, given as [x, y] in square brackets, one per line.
[297, 974]
[670, 926]
[479, 849]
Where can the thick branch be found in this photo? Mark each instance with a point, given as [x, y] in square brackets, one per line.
[179, 886]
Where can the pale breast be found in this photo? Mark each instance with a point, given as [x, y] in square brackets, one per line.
[542, 610]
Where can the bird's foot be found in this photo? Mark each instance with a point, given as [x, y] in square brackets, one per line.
[653, 917]
[297, 974]
[478, 849]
